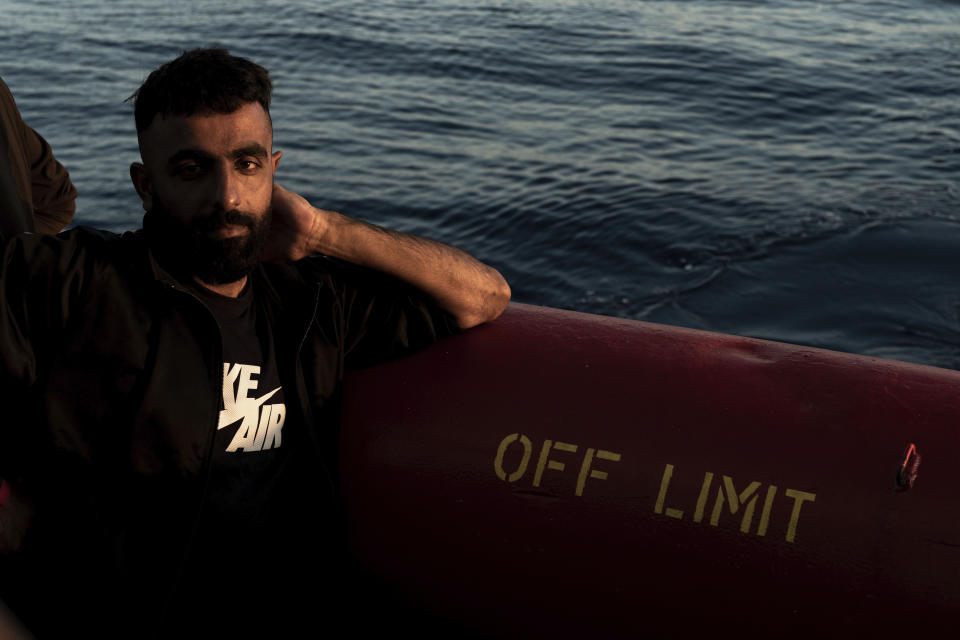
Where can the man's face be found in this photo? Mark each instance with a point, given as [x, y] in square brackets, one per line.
[207, 184]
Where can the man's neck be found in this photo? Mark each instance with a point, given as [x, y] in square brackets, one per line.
[229, 289]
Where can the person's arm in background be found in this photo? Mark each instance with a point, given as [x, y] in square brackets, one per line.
[54, 196]
[36, 195]
[35, 189]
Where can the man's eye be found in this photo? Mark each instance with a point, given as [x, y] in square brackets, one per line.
[248, 165]
[187, 170]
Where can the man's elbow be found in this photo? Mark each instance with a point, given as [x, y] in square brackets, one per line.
[489, 304]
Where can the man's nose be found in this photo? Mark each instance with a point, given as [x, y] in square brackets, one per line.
[228, 189]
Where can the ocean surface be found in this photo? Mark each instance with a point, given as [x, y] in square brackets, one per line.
[788, 170]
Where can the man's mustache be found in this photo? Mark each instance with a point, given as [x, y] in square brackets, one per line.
[223, 218]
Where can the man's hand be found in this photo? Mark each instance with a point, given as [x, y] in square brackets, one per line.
[471, 291]
[295, 223]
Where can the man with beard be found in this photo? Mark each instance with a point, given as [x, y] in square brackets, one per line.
[176, 389]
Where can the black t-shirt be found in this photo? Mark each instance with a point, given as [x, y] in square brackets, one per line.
[236, 537]
[248, 453]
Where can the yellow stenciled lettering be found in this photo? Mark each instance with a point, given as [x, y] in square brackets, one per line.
[728, 498]
[593, 473]
[765, 514]
[702, 498]
[545, 462]
[662, 496]
[799, 497]
[524, 461]
[734, 501]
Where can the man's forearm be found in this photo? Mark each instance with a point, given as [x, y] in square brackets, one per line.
[471, 291]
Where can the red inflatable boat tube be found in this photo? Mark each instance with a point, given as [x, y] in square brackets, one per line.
[561, 474]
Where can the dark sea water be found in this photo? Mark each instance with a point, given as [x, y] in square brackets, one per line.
[782, 169]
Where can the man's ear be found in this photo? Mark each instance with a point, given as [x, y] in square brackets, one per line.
[275, 159]
[141, 182]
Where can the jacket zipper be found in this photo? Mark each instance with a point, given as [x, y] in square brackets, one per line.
[302, 395]
[207, 466]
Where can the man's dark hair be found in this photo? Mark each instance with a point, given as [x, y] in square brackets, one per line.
[201, 81]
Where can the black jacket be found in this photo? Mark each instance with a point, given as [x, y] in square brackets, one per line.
[112, 379]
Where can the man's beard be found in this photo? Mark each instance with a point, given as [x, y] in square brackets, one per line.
[190, 250]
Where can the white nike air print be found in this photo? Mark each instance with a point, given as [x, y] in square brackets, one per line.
[262, 423]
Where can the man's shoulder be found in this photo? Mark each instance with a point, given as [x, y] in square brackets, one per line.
[78, 248]
[84, 236]
[326, 271]
[344, 284]
[97, 242]
[340, 274]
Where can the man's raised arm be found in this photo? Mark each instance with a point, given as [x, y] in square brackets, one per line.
[466, 288]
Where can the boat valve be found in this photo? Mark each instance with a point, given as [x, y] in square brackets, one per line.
[907, 471]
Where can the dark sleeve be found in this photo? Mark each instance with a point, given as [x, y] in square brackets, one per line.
[54, 196]
[43, 280]
[15, 201]
[36, 193]
[384, 318]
